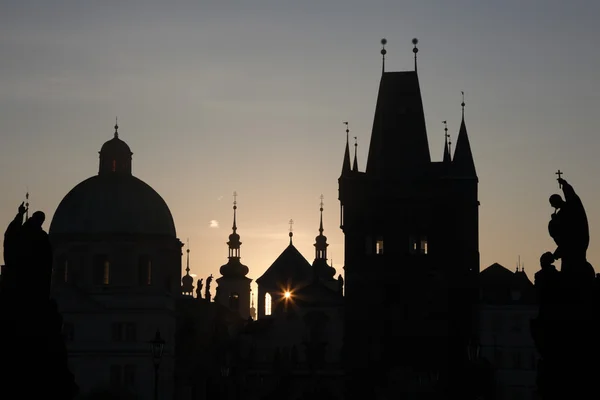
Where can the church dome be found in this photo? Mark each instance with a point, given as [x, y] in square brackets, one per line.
[113, 203]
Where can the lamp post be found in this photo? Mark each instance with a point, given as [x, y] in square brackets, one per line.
[158, 345]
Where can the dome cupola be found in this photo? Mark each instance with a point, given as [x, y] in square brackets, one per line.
[115, 156]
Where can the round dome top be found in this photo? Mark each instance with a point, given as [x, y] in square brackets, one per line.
[113, 203]
[234, 268]
[116, 146]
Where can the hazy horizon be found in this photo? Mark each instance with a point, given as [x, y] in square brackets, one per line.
[217, 97]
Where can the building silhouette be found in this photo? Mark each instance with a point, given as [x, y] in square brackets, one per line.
[508, 303]
[116, 276]
[411, 240]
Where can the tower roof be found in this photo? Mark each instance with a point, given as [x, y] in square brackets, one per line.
[289, 268]
[463, 163]
[399, 145]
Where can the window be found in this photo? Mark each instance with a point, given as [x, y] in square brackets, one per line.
[145, 271]
[268, 304]
[129, 375]
[101, 270]
[61, 268]
[418, 244]
[114, 165]
[68, 331]
[517, 359]
[115, 376]
[234, 301]
[124, 332]
[423, 245]
[379, 245]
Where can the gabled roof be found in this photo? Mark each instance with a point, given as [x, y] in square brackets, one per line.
[290, 266]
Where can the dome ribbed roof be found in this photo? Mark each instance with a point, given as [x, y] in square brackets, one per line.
[113, 203]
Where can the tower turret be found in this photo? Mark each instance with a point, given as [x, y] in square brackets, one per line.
[233, 285]
[115, 156]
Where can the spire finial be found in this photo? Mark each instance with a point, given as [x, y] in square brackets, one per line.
[321, 209]
[116, 128]
[462, 104]
[187, 268]
[383, 53]
[234, 211]
[355, 165]
[27, 205]
[415, 50]
[447, 137]
[347, 131]
[291, 230]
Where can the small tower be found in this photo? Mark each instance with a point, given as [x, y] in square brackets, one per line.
[321, 270]
[252, 308]
[233, 285]
[187, 282]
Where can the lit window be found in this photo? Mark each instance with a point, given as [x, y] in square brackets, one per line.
[114, 165]
[423, 245]
[101, 270]
[267, 304]
[379, 245]
[234, 301]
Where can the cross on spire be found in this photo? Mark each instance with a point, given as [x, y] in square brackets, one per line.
[321, 197]
[235, 198]
[291, 223]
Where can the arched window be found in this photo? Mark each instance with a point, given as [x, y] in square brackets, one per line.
[114, 165]
[267, 304]
[145, 270]
[234, 301]
[101, 270]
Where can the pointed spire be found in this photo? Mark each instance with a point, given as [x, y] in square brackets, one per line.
[383, 53]
[187, 268]
[355, 166]
[187, 282]
[415, 50]
[234, 268]
[116, 128]
[234, 242]
[346, 163]
[291, 230]
[446, 143]
[27, 205]
[321, 240]
[463, 162]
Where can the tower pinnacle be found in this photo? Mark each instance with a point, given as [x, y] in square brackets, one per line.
[116, 128]
[383, 53]
[291, 230]
[415, 50]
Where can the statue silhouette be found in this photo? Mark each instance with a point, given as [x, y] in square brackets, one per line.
[199, 288]
[566, 328]
[207, 295]
[569, 228]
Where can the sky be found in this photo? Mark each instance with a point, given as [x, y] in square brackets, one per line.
[250, 96]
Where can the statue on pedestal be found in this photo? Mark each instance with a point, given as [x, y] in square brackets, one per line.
[30, 319]
[566, 328]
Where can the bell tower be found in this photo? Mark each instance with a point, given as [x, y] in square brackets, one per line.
[234, 286]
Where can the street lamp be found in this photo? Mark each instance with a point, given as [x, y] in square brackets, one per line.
[158, 345]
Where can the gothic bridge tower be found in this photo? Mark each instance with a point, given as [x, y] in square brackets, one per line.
[411, 236]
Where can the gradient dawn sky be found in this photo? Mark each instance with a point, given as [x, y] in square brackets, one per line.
[249, 96]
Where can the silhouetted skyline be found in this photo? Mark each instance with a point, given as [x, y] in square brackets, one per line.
[219, 98]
